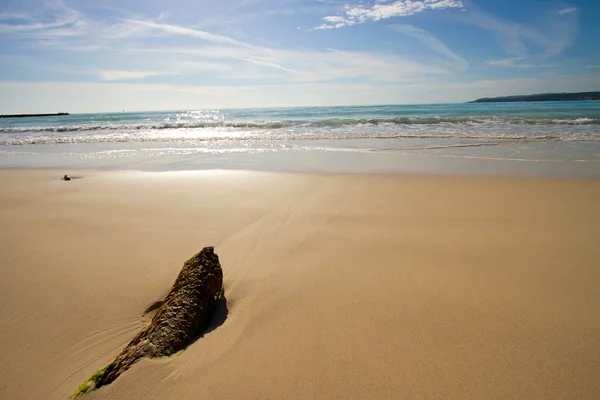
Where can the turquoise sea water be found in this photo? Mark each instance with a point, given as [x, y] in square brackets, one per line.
[560, 137]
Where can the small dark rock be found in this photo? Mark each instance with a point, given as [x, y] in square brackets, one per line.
[67, 178]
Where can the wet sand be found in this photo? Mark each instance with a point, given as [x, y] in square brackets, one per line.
[337, 286]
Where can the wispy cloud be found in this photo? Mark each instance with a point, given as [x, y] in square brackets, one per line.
[514, 63]
[116, 75]
[152, 47]
[592, 66]
[430, 41]
[554, 34]
[180, 30]
[507, 62]
[303, 65]
[59, 21]
[567, 10]
[252, 54]
[123, 47]
[359, 13]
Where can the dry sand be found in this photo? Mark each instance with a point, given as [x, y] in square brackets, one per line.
[351, 287]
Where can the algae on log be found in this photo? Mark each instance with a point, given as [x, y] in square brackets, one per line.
[184, 314]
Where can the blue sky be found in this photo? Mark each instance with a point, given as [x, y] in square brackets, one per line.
[108, 55]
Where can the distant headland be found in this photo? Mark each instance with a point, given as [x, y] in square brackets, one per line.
[33, 115]
[585, 96]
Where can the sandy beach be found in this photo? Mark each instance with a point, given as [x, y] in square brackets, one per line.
[338, 286]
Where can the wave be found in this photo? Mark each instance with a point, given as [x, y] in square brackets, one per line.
[322, 123]
[134, 127]
[262, 137]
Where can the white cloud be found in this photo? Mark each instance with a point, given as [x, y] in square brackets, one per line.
[227, 58]
[303, 65]
[138, 48]
[357, 14]
[507, 62]
[180, 30]
[567, 10]
[269, 65]
[252, 54]
[514, 63]
[430, 41]
[62, 21]
[334, 19]
[130, 37]
[116, 75]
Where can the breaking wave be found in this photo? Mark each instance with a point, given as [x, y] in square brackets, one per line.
[189, 137]
[323, 123]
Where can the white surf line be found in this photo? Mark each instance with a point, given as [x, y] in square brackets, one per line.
[500, 158]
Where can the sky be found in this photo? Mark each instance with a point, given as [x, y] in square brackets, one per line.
[113, 55]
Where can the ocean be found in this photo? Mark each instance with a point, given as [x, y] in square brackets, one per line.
[552, 138]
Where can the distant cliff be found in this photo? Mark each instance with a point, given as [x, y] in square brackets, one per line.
[33, 115]
[542, 97]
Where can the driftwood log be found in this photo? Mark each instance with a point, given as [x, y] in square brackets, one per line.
[184, 315]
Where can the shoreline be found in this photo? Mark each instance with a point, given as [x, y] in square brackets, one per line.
[323, 163]
[81, 173]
